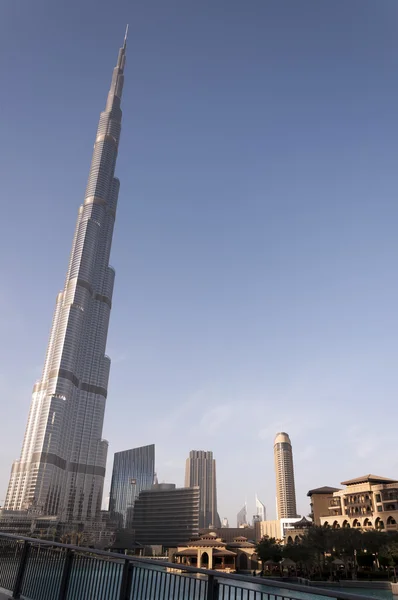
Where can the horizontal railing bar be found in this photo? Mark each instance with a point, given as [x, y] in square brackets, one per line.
[294, 587]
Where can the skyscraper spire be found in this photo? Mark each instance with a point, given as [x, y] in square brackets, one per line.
[62, 465]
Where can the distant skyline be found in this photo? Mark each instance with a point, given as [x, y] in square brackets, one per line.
[255, 248]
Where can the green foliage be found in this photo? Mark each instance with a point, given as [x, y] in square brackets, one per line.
[269, 549]
[301, 553]
[389, 554]
[315, 552]
[320, 539]
[374, 540]
[346, 542]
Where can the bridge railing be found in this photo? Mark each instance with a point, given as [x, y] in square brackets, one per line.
[42, 570]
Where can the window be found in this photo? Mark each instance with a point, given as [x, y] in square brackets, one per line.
[378, 498]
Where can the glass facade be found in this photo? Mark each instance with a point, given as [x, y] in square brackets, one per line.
[133, 472]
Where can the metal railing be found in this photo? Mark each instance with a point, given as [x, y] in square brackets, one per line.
[42, 570]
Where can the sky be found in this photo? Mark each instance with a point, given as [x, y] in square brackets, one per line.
[256, 240]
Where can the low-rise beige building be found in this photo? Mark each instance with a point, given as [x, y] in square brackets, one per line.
[271, 529]
[284, 530]
[211, 552]
[368, 502]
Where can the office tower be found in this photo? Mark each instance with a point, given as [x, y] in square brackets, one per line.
[133, 471]
[241, 517]
[200, 469]
[61, 469]
[224, 523]
[285, 490]
[260, 510]
[166, 516]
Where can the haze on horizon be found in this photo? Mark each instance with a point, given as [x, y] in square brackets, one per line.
[255, 245]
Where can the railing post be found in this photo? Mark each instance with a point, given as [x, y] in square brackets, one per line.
[16, 593]
[212, 588]
[66, 573]
[127, 580]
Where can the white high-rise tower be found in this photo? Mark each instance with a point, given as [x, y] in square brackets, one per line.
[62, 464]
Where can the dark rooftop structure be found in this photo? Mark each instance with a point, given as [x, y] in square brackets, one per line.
[372, 479]
[302, 523]
[228, 534]
[323, 490]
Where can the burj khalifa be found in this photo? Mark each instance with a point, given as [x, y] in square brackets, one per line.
[61, 469]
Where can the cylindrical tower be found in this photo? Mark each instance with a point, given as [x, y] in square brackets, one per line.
[285, 489]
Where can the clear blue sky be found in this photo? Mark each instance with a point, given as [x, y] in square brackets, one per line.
[256, 240]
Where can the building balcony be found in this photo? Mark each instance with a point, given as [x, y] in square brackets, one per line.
[390, 500]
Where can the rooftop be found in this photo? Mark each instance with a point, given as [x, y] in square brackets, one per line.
[241, 545]
[207, 542]
[369, 479]
[302, 523]
[323, 490]
[282, 438]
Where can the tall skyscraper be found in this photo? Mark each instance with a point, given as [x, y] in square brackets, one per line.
[200, 470]
[285, 489]
[241, 517]
[260, 510]
[133, 472]
[61, 469]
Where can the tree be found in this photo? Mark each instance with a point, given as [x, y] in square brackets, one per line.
[320, 540]
[347, 541]
[269, 549]
[301, 553]
[389, 552]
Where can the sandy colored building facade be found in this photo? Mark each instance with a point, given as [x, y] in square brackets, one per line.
[367, 502]
[285, 530]
[320, 500]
